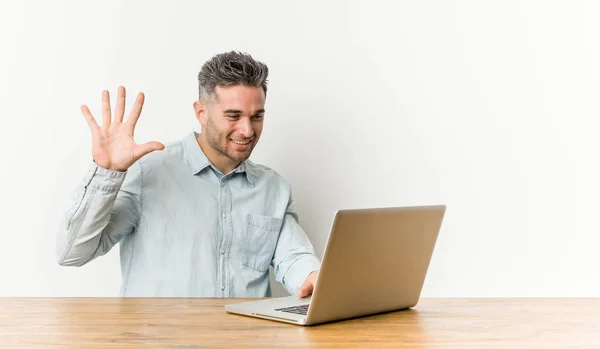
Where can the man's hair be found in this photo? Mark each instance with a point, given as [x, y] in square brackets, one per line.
[228, 69]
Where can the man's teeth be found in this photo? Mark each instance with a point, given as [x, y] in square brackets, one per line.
[240, 142]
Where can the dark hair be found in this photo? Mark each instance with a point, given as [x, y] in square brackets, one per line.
[228, 69]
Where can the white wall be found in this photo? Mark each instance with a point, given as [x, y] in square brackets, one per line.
[490, 107]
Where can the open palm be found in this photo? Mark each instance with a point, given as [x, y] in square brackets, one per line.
[113, 146]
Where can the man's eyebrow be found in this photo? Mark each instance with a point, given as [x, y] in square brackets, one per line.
[236, 111]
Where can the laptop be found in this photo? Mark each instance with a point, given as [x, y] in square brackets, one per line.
[375, 261]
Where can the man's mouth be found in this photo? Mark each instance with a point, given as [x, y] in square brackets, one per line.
[241, 142]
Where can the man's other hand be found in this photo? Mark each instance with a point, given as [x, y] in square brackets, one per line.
[309, 284]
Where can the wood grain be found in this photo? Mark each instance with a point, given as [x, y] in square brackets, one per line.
[203, 323]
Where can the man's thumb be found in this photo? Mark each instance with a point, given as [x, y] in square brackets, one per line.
[150, 147]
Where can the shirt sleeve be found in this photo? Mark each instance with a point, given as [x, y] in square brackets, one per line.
[294, 257]
[104, 207]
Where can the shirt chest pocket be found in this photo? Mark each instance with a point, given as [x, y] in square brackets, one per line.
[260, 239]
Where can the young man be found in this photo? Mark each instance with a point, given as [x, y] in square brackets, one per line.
[194, 218]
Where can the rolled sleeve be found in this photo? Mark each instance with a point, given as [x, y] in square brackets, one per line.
[294, 257]
[104, 208]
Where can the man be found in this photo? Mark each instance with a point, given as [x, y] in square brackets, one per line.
[194, 218]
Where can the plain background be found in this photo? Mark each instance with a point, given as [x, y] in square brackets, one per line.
[489, 107]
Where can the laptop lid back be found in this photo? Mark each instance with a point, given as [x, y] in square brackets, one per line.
[375, 261]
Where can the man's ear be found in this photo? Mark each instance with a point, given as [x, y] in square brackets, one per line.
[200, 111]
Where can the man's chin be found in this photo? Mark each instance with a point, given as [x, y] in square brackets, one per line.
[240, 156]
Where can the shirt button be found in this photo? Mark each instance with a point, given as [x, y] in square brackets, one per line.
[224, 215]
[223, 183]
[222, 287]
[222, 251]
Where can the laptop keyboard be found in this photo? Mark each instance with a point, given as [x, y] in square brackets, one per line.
[299, 309]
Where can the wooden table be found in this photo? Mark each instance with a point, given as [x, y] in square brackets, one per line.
[203, 323]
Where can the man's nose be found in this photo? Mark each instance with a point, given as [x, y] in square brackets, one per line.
[245, 127]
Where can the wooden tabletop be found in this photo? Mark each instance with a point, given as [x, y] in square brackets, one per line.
[203, 323]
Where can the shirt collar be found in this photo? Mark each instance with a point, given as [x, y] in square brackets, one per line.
[198, 161]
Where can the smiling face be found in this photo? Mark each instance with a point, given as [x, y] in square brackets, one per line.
[232, 123]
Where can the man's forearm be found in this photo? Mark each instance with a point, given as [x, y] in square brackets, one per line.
[83, 233]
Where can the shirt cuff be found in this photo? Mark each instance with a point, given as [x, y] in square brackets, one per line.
[104, 179]
[299, 271]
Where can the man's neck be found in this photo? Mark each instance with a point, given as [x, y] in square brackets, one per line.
[218, 160]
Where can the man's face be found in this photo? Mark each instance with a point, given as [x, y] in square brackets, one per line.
[233, 123]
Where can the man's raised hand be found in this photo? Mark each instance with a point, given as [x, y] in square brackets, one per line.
[113, 147]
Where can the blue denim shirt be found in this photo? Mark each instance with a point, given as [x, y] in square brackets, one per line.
[187, 230]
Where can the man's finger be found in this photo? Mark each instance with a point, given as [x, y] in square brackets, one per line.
[89, 118]
[120, 107]
[146, 148]
[306, 289]
[106, 114]
[136, 110]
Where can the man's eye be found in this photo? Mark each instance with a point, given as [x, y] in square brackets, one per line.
[258, 117]
[233, 117]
